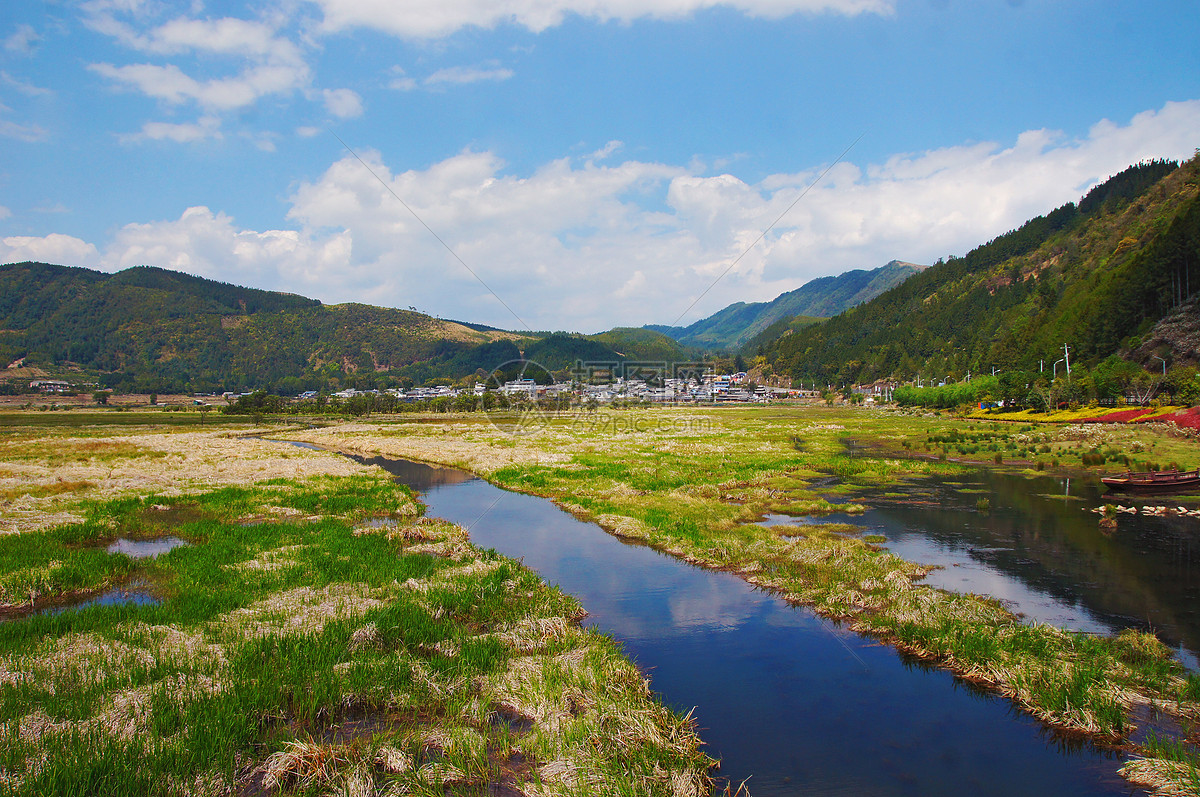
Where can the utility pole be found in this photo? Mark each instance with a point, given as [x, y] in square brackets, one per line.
[1067, 357]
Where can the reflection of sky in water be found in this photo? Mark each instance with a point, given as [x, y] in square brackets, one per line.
[145, 549]
[801, 705]
[960, 571]
[645, 602]
[300, 444]
[1045, 555]
[136, 594]
[808, 520]
[418, 475]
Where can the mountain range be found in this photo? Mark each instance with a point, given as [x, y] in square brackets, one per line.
[148, 329]
[732, 327]
[1108, 277]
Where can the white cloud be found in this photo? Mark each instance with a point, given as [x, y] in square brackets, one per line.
[264, 141]
[576, 245]
[170, 84]
[181, 35]
[225, 36]
[270, 63]
[206, 127]
[208, 244]
[22, 132]
[433, 18]
[450, 76]
[53, 248]
[23, 86]
[400, 81]
[308, 131]
[342, 103]
[22, 41]
[461, 75]
[606, 151]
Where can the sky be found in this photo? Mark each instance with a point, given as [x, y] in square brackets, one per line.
[568, 164]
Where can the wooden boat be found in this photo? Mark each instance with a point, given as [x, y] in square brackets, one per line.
[1154, 482]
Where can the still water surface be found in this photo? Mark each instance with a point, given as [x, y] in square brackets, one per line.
[788, 700]
[1041, 549]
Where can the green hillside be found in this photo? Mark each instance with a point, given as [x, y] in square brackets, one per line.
[733, 327]
[152, 330]
[784, 326]
[1095, 276]
[645, 345]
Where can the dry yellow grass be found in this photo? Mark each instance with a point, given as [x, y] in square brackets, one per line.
[42, 484]
[1164, 778]
[481, 450]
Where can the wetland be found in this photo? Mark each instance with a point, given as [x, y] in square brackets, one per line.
[832, 604]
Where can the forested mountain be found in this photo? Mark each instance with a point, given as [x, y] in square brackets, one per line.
[153, 330]
[1095, 276]
[731, 328]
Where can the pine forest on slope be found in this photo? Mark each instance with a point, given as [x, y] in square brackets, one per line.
[1095, 276]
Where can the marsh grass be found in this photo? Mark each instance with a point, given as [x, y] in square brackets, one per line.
[1168, 766]
[301, 645]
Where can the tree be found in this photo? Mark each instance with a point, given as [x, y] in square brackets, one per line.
[1111, 376]
[1013, 387]
[1182, 383]
[1041, 394]
[100, 396]
[1143, 386]
[257, 403]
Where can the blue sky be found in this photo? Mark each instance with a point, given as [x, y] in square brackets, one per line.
[594, 162]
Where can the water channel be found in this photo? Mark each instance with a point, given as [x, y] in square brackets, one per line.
[785, 699]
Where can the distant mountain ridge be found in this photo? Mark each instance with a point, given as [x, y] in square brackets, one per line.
[737, 324]
[149, 329]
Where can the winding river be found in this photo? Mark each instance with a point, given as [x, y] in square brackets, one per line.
[788, 702]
